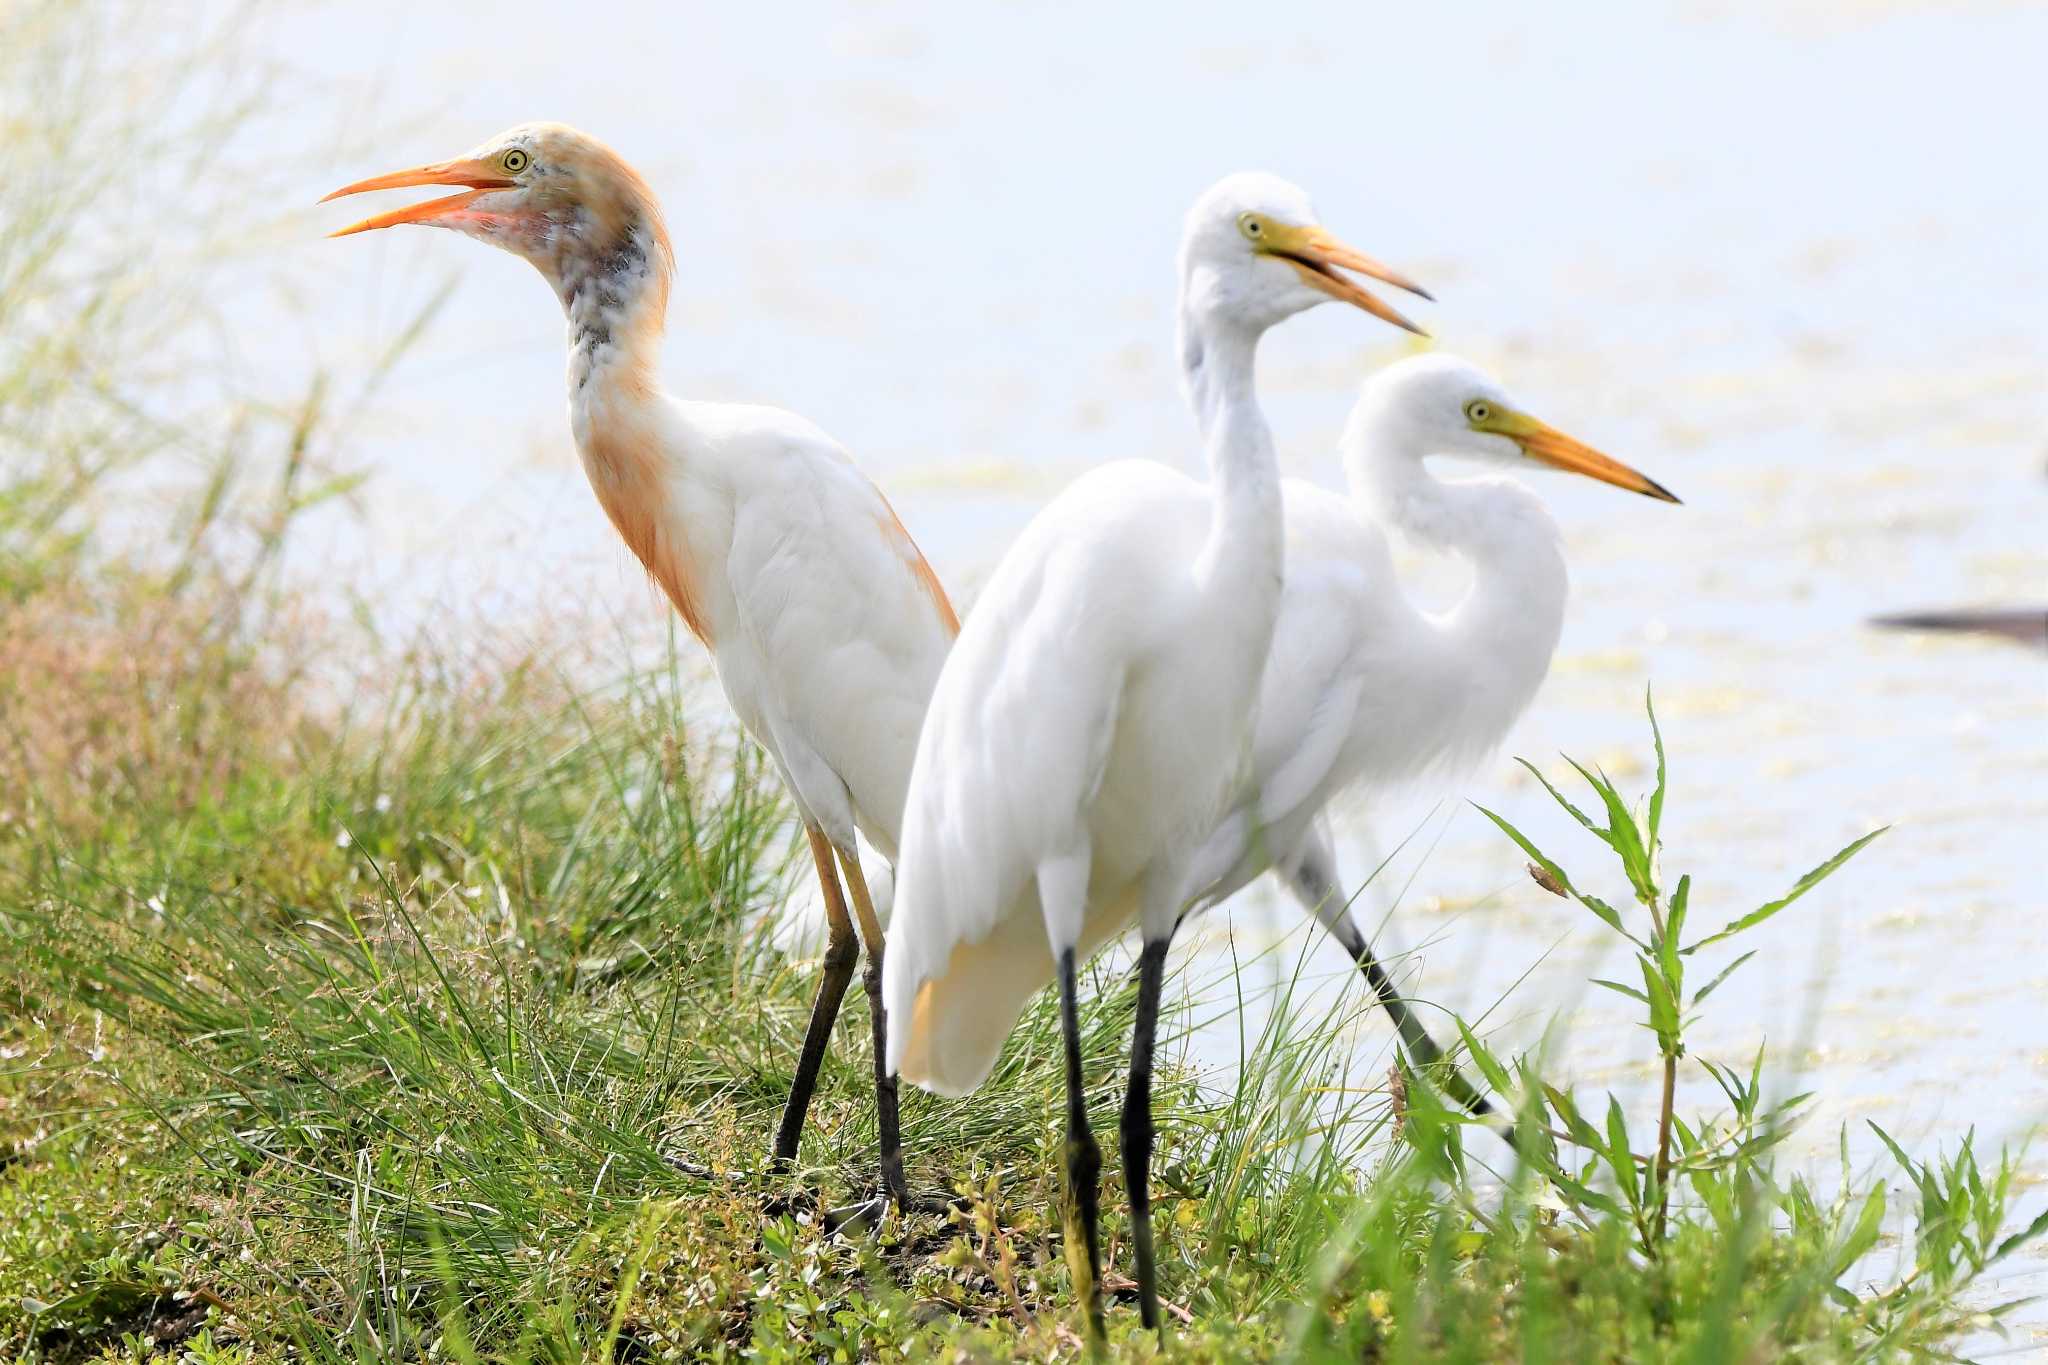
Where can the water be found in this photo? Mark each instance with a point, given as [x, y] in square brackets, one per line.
[1789, 263]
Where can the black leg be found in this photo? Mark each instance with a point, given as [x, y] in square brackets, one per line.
[887, 1121]
[885, 1091]
[1084, 1167]
[841, 951]
[1135, 1130]
[1313, 879]
[1422, 1049]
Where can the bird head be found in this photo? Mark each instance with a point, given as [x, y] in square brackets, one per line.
[1448, 406]
[1253, 250]
[556, 196]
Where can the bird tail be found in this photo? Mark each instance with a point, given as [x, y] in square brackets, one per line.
[960, 1017]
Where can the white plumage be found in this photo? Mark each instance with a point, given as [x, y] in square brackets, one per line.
[1095, 712]
[1363, 687]
[827, 636]
[825, 624]
[1081, 714]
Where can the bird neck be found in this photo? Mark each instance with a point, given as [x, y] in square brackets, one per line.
[1218, 368]
[611, 270]
[613, 281]
[1485, 657]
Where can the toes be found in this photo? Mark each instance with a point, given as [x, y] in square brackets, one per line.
[855, 1220]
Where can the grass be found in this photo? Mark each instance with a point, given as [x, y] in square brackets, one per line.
[376, 1043]
[360, 1002]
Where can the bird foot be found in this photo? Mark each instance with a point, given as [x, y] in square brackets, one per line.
[864, 1217]
[855, 1220]
[697, 1170]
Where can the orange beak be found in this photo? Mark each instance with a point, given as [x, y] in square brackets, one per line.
[1551, 446]
[1318, 256]
[481, 177]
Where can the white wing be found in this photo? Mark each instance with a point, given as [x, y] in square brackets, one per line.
[1012, 752]
[1316, 674]
[842, 627]
[1315, 681]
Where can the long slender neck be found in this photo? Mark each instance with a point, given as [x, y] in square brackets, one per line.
[1218, 363]
[614, 291]
[612, 275]
[1485, 657]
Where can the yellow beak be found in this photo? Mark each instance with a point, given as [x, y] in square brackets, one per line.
[481, 177]
[1318, 256]
[1541, 441]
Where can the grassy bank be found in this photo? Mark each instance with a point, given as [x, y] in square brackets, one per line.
[363, 1001]
[404, 1029]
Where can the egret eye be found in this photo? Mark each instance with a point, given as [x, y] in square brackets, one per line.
[1477, 411]
[1252, 226]
[515, 160]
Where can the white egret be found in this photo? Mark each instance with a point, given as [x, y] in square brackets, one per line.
[1362, 688]
[825, 623]
[1093, 715]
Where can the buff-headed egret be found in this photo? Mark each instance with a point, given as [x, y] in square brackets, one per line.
[825, 623]
[1091, 720]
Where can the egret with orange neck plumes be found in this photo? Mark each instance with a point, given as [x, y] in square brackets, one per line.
[1096, 712]
[825, 623]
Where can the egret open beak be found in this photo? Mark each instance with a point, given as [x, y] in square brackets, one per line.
[481, 177]
[1541, 441]
[1318, 256]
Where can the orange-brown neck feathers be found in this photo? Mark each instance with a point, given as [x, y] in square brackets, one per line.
[624, 214]
[609, 256]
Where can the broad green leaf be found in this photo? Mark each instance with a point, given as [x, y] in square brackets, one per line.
[1799, 888]
[1681, 901]
[1620, 1156]
[1585, 1194]
[1663, 1007]
[1681, 1130]
[1863, 1236]
[1567, 1111]
[1622, 835]
[1489, 1065]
